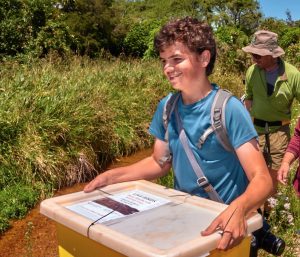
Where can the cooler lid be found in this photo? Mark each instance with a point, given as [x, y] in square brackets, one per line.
[141, 219]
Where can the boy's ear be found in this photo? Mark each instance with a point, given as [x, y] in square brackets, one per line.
[205, 58]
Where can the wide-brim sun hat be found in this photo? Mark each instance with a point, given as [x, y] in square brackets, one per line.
[264, 43]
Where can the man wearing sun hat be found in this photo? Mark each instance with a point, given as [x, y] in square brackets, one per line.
[271, 86]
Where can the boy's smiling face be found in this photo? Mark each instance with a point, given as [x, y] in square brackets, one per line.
[183, 68]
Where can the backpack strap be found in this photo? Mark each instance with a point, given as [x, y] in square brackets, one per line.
[167, 112]
[218, 120]
[202, 180]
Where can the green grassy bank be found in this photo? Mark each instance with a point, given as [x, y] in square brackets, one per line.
[62, 121]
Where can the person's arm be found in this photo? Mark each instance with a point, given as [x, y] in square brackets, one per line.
[283, 171]
[148, 169]
[291, 154]
[259, 188]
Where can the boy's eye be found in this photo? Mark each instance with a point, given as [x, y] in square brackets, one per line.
[177, 59]
[171, 61]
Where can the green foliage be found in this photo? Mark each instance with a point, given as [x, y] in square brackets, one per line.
[20, 23]
[273, 24]
[231, 36]
[290, 36]
[16, 200]
[4, 224]
[63, 122]
[160, 10]
[167, 180]
[53, 122]
[244, 15]
[150, 52]
[91, 23]
[228, 80]
[139, 37]
[290, 42]
[230, 41]
[13, 27]
[292, 54]
[53, 37]
[113, 27]
[9, 132]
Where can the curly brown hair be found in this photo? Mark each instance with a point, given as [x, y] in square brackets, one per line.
[196, 35]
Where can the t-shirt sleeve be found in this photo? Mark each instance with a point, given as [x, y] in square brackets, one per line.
[157, 127]
[239, 125]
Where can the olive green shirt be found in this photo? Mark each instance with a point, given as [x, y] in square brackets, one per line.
[276, 107]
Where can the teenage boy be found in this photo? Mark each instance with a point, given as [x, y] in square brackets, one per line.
[187, 52]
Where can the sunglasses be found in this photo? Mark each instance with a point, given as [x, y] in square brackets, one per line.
[256, 56]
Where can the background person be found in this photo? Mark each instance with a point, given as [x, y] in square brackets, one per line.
[271, 86]
[187, 52]
[292, 153]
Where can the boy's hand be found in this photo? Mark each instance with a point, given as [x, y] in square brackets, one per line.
[99, 181]
[233, 226]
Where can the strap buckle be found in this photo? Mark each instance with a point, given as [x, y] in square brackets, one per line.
[217, 118]
[203, 182]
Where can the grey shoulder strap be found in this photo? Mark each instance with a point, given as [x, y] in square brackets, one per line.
[168, 110]
[218, 120]
[202, 181]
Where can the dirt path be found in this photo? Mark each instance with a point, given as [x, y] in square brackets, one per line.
[35, 235]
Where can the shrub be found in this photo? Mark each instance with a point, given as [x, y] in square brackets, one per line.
[137, 39]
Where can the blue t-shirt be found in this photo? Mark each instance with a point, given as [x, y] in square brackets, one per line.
[222, 168]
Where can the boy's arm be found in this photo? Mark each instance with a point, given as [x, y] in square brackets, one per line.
[148, 169]
[259, 188]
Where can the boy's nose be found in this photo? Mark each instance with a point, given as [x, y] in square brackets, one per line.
[168, 67]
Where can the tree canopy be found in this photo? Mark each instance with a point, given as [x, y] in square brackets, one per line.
[113, 27]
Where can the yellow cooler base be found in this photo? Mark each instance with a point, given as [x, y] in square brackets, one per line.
[73, 244]
[242, 250]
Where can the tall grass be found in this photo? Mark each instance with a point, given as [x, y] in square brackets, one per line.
[62, 122]
[55, 115]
